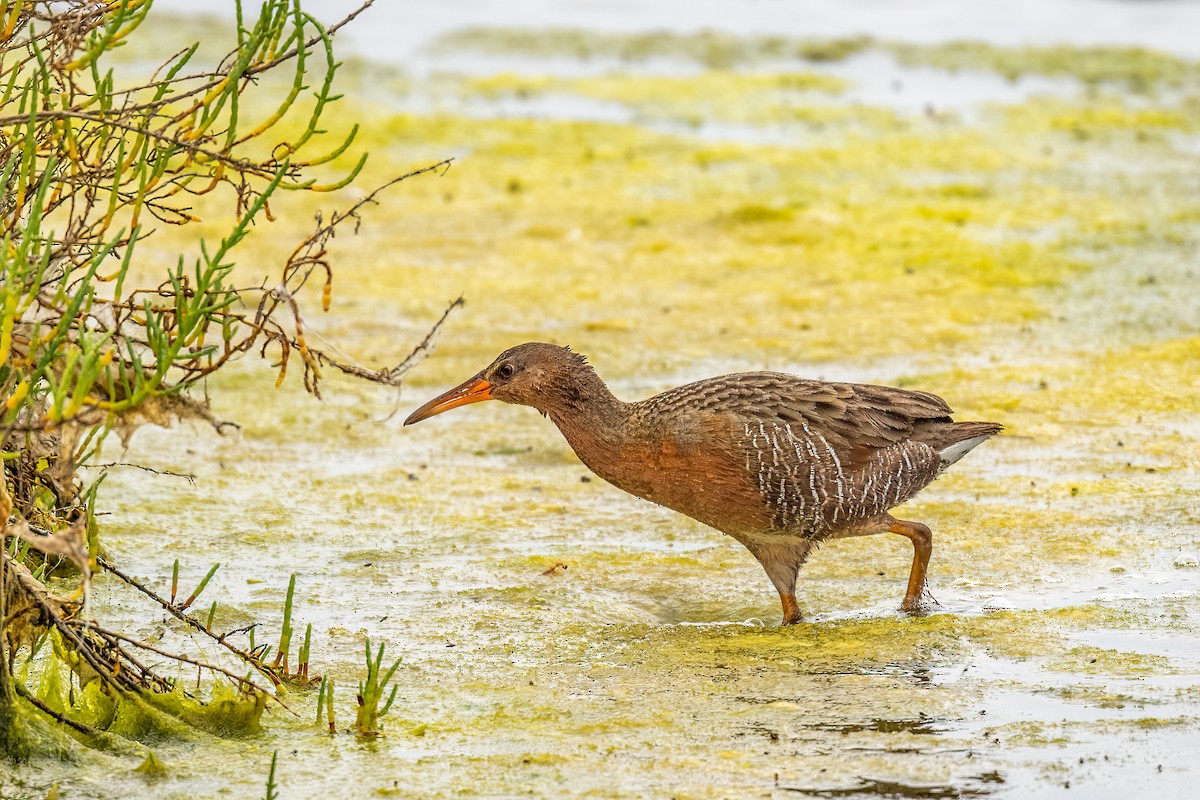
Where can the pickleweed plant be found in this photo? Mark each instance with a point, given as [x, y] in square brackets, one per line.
[99, 334]
[371, 692]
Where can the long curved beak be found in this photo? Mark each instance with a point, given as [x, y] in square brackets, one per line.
[473, 390]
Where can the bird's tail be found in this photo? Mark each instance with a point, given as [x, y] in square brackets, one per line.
[965, 437]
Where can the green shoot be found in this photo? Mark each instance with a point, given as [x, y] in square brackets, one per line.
[370, 693]
[305, 649]
[325, 704]
[195, 594]
[285, 634]
[272, 787]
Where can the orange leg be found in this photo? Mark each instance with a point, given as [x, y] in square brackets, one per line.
[791, 611]
[781, 558]
[922, 540]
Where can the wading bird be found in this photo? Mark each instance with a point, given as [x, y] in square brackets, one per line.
[779, 463]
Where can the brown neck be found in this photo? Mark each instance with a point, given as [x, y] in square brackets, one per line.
[593, 421]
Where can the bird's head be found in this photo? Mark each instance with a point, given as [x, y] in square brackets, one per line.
[536, 374]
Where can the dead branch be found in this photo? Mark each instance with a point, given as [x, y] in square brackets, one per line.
[29, 697]
[192, 622]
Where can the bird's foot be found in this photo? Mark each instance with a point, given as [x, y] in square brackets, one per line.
[917, 608]
[920, 605]
[791, 611]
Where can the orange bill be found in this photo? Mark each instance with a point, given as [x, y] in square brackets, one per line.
[472, 391]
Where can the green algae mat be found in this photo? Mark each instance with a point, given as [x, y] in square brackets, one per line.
[1015, 229]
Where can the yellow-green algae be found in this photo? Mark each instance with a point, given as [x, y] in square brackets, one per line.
[152, 769]
[625, 216]
[1104, 115]
[968, 259]
[714, 49]
[151, 717]
[1139, 67]
[1095, 389]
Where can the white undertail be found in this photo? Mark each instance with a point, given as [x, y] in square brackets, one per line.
[959, 449]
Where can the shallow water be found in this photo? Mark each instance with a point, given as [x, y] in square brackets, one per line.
[1026, 249]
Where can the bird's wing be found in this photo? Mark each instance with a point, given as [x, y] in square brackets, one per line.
[848, 421]
[820, 455]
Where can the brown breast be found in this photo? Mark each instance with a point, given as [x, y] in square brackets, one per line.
[692, 462]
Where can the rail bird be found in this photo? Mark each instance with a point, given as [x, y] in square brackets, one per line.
[778, 462]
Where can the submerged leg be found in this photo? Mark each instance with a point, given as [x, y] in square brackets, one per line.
[922, 540]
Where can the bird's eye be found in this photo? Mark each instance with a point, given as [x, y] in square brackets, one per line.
[505, 370]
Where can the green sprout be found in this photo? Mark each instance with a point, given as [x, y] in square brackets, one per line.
[305, 649]
[285, 633]
[325, 704]
[204, 583]
[272, 787]
[370, 693]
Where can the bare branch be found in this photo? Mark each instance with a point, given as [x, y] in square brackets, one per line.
[194, 623]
